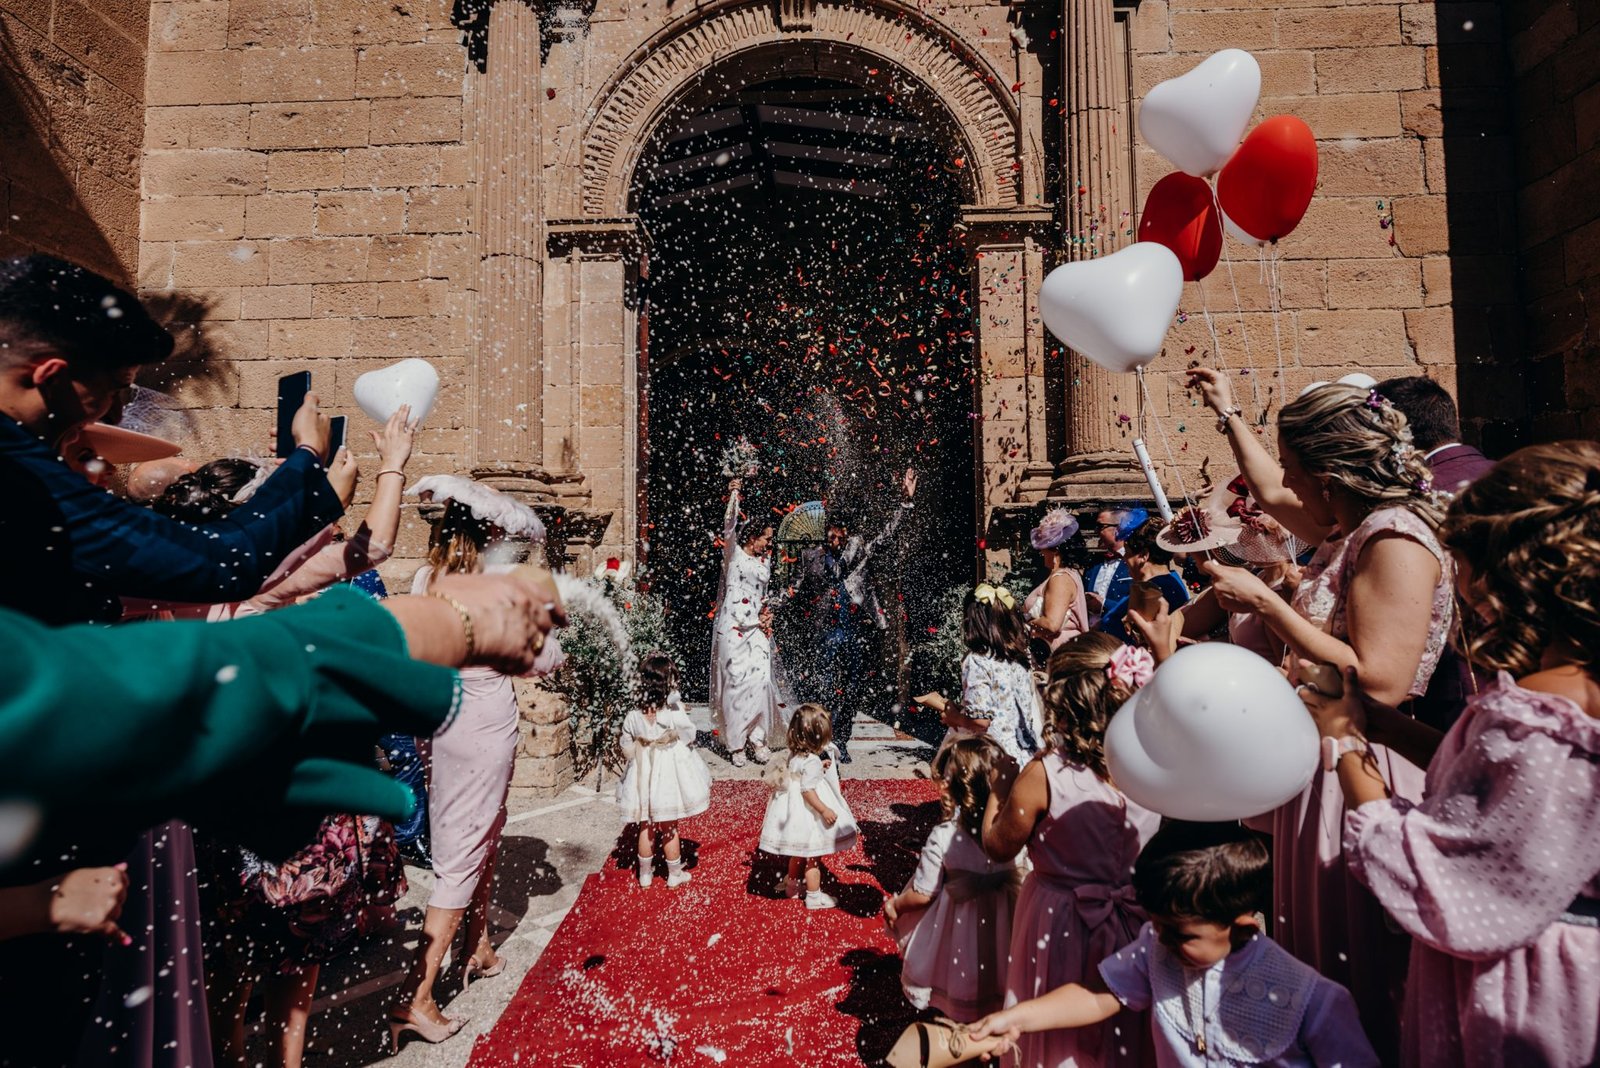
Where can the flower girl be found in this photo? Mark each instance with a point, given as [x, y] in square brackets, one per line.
[665, 781]
[953, 920]
[807, 817]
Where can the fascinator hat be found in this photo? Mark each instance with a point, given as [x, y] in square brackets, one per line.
[487, 504]
[1057, 526]
[1202, 527]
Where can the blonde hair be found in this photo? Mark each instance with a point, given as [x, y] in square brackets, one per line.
[1080, 698]
[1530, 531]
[457, 541]
[810, 730]
[1362, 442]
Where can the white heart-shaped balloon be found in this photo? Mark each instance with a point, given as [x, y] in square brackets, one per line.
[1217, 734]
[380, 393]
[1197, 119]
[1115, 309]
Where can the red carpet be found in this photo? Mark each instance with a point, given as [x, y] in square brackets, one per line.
[723, 970]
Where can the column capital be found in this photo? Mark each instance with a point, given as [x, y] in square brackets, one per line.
[1009, 225]
[614, 238]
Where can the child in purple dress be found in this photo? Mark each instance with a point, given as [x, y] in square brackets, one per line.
[1495, 873]
[1218, 990]
[1077, 904]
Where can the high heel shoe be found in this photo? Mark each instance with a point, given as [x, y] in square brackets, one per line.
[401, 1021]
[473, 970]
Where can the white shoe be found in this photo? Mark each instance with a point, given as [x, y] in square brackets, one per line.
[738, 759]
[646, 872]
[677, 878]
[761, 754]
[816, 899]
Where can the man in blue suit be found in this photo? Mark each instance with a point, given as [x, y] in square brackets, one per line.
[70, 342]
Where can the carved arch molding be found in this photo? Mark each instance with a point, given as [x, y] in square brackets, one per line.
[832, 39]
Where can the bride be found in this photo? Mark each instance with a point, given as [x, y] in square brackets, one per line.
[744, 699]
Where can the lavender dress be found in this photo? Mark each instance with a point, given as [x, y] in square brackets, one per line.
[1320, 914]
[1075, 910]
[1496, 877]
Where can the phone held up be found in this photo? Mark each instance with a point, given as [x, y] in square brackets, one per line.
[336, 433]
[292, 390]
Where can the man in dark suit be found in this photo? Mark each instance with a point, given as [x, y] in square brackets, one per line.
[1436, 430]
[837, 594]
[70, 342]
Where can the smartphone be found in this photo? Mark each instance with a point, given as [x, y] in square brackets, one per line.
[335, 436]
[292, 390]
[1324, 678]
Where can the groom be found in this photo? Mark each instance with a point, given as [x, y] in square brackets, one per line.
[842, 605]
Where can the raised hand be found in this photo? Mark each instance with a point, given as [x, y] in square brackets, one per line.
[395, 442]
[343, 474]
[310, 426]
[909, 483]
[1214, 387]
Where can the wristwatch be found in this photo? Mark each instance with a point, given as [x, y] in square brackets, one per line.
[1226, 414]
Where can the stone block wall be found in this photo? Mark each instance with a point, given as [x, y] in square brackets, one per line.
[1555, 53]
[1385, 274]
[72, 76]
[306, 207]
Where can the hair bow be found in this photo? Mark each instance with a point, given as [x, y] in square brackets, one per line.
[1131, 666]
[988, 594]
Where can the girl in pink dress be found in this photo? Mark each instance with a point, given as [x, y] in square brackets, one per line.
[953, 919]
[1495, 874]
[1077, 905]
[1375, 597]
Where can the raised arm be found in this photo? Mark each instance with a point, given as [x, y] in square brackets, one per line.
[730, 522]
[1261, 472]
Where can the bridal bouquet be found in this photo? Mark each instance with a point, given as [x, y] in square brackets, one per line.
[741, 459]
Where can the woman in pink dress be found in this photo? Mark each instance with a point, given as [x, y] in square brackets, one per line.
[1056, 609]
[470, 761]
[1076, 906]
[1496, 873]
[1375, 597]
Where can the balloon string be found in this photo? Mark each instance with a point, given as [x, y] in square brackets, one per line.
[1238, 306]
[1276, 296]
[1166, 443]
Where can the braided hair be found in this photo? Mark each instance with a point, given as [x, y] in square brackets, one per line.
[1363, 443]
[1529, 531]
[1080, 699]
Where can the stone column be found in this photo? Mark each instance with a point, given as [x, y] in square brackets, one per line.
[1007, 269]
[508, 373]
[1099, 196]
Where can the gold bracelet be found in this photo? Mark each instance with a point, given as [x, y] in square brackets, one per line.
[390, 471]
[466, 623]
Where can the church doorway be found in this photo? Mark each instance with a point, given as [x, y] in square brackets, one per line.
[806, 298]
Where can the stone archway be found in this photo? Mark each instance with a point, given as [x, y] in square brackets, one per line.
[827, 39]
[596, 252]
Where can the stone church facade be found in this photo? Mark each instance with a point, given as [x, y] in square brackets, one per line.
[333, 185]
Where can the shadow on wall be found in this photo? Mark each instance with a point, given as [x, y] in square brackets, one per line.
[1469, 160]
[40, 207]
[196, 368]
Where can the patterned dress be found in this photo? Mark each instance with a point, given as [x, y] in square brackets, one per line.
[1496, 877]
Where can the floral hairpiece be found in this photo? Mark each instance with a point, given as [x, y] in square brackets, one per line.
[988, 594]
[1131, 666]
[248, 490]
[1376, 401]
[1190, 525]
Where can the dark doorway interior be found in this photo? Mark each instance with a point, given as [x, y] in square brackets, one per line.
[807, 293]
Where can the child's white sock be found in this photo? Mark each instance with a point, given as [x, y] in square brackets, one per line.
[676, 876]
[646, 869]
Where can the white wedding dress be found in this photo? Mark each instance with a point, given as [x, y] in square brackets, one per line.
[744, 698]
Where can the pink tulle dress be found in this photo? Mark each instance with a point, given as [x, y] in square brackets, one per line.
[953, 952]
[1496, 877]
[1075, 910]
[1320, 914]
